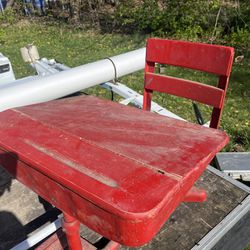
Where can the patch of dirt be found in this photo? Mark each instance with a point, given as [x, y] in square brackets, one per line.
[23, 23]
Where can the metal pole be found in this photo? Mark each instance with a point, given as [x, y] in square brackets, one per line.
[38, 236]
[30, 91]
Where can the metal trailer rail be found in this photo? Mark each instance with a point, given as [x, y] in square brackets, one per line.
[236, 165]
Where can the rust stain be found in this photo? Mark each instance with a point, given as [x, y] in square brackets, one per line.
[61, 158]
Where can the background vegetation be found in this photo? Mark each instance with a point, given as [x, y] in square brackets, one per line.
[77, 32]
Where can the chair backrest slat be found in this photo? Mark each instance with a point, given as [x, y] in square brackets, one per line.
[208, 58]
[185, 88]
[204, 57]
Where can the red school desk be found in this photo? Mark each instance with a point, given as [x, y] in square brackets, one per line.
[118, 170]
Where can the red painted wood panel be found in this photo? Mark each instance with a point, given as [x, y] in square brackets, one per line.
[209, 58]
[185, 88]
[117, 169]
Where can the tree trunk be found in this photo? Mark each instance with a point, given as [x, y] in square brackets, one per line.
[75, 7]
[10, 3]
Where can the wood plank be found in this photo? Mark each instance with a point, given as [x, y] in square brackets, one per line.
[196, 91]
[205, 57]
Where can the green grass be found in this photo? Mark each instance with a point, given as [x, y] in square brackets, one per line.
[75, 47]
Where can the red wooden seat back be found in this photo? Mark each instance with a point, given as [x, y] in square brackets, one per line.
[212, 59]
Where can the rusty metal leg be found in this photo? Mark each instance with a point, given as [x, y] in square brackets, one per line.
[71, 228]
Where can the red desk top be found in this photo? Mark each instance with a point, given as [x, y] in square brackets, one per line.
[126, 168]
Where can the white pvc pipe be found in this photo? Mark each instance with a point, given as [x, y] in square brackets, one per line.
[39, 236]
[51, 87]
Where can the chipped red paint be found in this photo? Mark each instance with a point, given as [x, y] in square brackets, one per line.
[117, 169]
